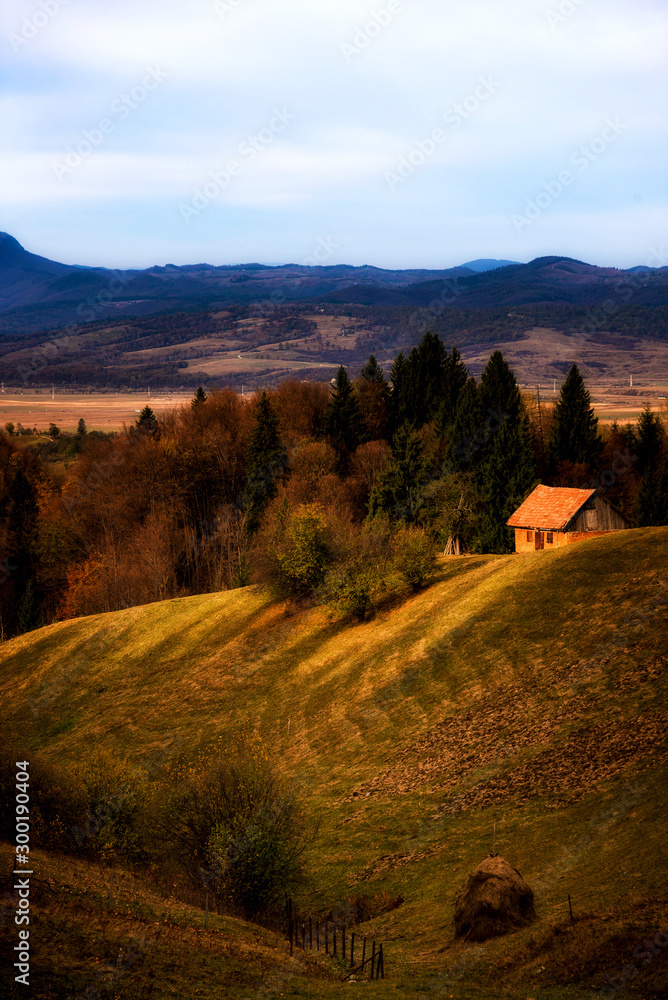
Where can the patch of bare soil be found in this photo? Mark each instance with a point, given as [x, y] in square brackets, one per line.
[505, 724]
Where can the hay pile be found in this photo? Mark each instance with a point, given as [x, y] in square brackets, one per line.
[495, 900]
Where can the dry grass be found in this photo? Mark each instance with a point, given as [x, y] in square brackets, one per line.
[526, 691]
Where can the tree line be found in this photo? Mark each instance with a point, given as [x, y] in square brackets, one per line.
[341, 492]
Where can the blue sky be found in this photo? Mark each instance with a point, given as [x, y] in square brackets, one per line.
[401, 133]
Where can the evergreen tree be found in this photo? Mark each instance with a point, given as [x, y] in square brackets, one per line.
[147, 422]
[400, 401]
[574, 436]
[428, 364]
[649, 439]
[81, 428]
[400, 488]
[506, 470]
[456, 377]
[467, 432]
[265, 462]
[198, 398]
[652, 504]
[374, 400]
[343, 421]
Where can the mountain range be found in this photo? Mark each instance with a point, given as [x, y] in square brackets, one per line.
[41, 294]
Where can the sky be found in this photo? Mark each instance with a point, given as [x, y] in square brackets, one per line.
[399, 133]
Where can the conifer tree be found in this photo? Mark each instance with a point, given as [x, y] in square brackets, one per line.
[574, 436]
[649, 439]
[400, 400]
[147, 422]
[652, 504]
[374, 400]
[199, 398]
[399, 491]
[265, 462]
[506, 470]
[343, 422]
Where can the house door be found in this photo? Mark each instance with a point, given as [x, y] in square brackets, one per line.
[540, 540]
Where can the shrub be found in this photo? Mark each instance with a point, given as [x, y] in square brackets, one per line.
[292, 552]
[235, 826]
[414, 556]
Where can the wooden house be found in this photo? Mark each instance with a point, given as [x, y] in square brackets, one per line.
[552, 516]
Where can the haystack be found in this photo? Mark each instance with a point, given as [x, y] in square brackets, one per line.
[495, 900]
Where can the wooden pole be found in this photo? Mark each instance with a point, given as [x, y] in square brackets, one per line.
[310, 933]
[343, 943]
[364, 952]
[317, 935]
[382, 963]
[373, 959]
[326, 938]
[334, 937]
[570, 908]
[380, 958]
[352, 949]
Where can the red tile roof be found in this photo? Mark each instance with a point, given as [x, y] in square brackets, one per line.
[549, 508]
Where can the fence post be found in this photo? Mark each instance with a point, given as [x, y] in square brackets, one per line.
[343, 943]
[363, 954]
[310, 933]
[373, 959]
[326, 938]
[382, 963]
[317, 934]
[352, 949]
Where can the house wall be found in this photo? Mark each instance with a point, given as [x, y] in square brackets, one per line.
[596, 517]
[559, 539]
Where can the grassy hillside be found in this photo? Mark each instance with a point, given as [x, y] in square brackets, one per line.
[527, 692]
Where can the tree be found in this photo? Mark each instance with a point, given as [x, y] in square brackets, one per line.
[54, 431]
[374, 400]
[266, 462]
[343, 422]
[400, 399]
[414, 556]
[147, 422]
[649, 439]
[574, 436]
[398, 492]
[81, 428]
[199, 398]
[506, 470]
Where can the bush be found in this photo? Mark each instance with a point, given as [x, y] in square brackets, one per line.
[292, 552]
[414, 556]
[351, 590]
[234, 826]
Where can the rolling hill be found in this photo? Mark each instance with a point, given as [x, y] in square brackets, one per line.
[526, 692]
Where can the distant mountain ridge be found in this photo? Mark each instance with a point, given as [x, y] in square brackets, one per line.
[37, 293]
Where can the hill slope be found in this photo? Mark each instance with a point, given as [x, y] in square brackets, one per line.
[529, 692]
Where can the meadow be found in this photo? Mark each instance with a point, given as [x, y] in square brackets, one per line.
[524, 695]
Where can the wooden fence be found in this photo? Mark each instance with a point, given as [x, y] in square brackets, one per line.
[328, 936]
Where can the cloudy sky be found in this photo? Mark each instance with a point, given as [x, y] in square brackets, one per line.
[401, 133]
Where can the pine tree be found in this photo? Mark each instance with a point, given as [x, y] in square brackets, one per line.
[574, 436]
[400, 489]
[400, 401]
[374, 400]
[147, 422]
[467, 431]
[266, 462]
[81, 428]
[343, 421]
[649, 439]
[198, 398]
[506, 470]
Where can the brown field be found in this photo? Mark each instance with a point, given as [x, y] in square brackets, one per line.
[101, 411]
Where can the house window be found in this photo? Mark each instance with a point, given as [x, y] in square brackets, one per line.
[529, 536]
[550, 538]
